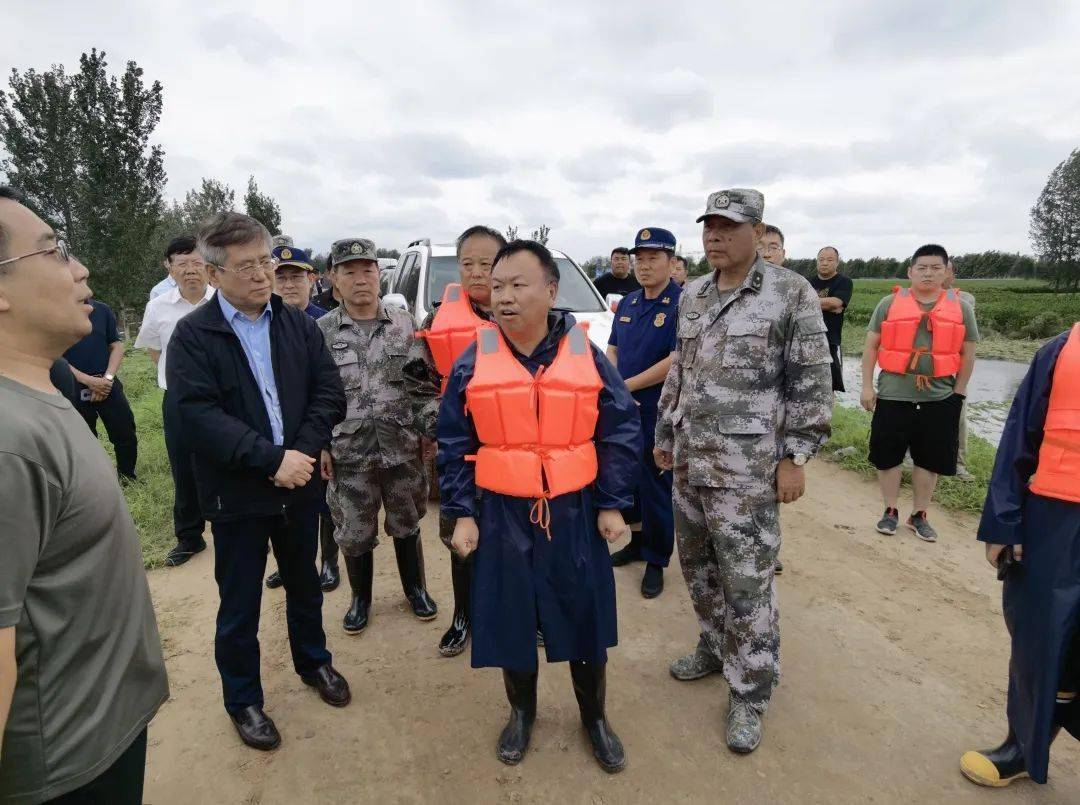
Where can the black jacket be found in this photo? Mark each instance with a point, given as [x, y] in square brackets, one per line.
[224, 418]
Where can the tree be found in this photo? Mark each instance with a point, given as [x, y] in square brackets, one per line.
[391, 253]
[511, 233]
[262, 207]
[1055, 224]
[541, 235]
[80, 147]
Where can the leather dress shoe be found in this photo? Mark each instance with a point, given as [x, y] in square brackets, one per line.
[332, 687]
[273, 581]
[256, 728]
[652, 583]
[183, 551]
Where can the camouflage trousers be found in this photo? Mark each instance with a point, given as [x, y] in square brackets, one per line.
[354, 498]
[728, 543]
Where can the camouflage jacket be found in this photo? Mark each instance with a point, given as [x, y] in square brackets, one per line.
[751, 380]
[378, 428]
[422, 380]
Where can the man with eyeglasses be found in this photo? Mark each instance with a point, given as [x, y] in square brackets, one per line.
[259, 396]
[771, 246]
[81, 670]
[95, 361]
[189, 272]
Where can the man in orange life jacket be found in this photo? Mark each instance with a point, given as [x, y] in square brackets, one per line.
[1031, 527]
[446, 332]
[540, 422]
[923, 338]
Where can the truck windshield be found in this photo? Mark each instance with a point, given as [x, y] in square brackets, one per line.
[575, 292]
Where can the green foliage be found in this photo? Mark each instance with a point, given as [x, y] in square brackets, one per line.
[981, 265]
[1008, 308]
[150, 498]
[542, 234]
[262, 207]
[79, 146]
[1055, 224]
[850, 444]
[391, 253]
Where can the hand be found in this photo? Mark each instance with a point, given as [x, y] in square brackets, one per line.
[993, 553]
[466, 536]
[106, 385]
[295, 470]
[611, 525]
[790, 481]
[100, 388]
[664, 459]
[326, 466]
[868, 398]
[428, 449]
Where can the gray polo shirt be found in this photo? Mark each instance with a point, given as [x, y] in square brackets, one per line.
[90, 670]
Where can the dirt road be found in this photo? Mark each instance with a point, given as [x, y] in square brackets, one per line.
[894, 656]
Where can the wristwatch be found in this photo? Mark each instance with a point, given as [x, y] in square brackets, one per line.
[799, 459]
[109, 376]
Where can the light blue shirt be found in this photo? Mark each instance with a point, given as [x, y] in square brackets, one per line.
[164, 286]
[255, 339]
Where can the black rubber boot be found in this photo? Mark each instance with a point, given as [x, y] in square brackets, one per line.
[361, 570]
[410, 564]
[590, 687]
[997, 767]
[457, 636]
[521, 693]
[329, 577]
[631, 553]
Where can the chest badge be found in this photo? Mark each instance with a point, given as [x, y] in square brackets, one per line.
[693, 315]
[340, 345]
[625, 319]
[659, 320]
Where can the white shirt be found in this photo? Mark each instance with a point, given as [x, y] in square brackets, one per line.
[159, 320]
[164, 286]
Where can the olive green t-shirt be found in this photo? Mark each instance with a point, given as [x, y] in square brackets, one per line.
[892, 386]
[90, 674]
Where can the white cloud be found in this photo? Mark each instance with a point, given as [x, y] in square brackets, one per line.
[872, 126]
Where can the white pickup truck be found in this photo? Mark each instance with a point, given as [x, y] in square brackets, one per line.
[424, 270]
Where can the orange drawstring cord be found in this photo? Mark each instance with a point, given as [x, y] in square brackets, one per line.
[922, 382]
[540, 514]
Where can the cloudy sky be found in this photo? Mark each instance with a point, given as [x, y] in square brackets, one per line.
[873, 126]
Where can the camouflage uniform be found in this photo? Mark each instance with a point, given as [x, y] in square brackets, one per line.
[750, 383]
[376, 449]
[423, 384]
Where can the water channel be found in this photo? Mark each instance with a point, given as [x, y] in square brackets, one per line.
[990, 393]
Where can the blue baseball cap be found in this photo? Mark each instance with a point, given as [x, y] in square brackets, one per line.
[289, 255]
[654, 238]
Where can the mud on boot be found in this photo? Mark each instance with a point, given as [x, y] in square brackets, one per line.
[521, 693]
[696, 665]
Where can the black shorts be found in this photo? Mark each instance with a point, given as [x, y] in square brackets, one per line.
[837, 367]
[931, 430]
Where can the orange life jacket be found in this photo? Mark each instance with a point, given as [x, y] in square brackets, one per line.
[452, 329]
[897, 352]
[535, 432]
[1058, 473]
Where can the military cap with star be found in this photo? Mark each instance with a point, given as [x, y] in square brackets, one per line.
[293, 256]
[348, 249]
[738, 204]
[653, 238]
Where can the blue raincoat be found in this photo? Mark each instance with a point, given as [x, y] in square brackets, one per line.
[521, 581]
[1041, 595]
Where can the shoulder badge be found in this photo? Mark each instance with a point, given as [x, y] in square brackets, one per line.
[756, 280]
[665, 301]
[659, 320]
[634, 301]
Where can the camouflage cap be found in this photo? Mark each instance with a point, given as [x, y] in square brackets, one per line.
[281, 240]
[348, 249]
[738, 204]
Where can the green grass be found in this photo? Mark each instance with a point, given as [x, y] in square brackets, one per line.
[150, 498]
[850, 444]
[1015, 317]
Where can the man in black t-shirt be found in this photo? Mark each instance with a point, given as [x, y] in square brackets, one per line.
[620, 280]
[834, 289]
[94, 361]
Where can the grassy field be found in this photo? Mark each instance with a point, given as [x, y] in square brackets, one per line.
[1015, 317]
[150, 499]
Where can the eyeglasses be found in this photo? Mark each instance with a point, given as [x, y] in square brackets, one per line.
[60, 249]
[249, 269]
